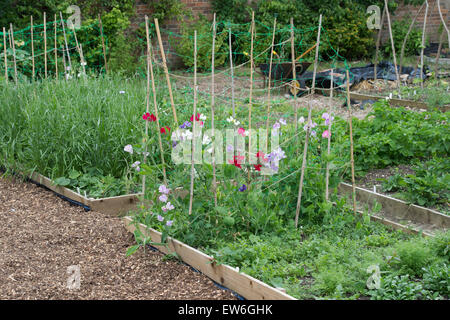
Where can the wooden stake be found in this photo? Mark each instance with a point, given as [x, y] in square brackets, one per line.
[166, 70]
[82, 62]
[10, 37]
[214, 184]
[150, 74]
[302, 175]
[32, 48]
[14, 52]
[392, 41]
[45, 44]
[250, 99]
[402, 52]
[103, 43]
[423, 42]
[65, 40]
[294, 76]
[352, 161]
[270, 80]
[316, 59]
[443, 22]
[191, 196]
[377, 49]
[232, 73]
[5, 54]
[327, 178]
[56, 50]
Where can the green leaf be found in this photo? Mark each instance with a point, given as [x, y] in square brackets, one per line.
[62, 181]
[132, 250]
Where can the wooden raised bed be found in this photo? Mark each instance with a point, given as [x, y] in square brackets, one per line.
[229, 277]
[423, 219]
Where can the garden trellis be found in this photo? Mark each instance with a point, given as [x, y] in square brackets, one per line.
[278, 44]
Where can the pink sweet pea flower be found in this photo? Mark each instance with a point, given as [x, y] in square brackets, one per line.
[326, 134]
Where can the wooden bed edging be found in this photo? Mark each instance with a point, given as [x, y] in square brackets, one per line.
[245, 285]
[400, 208]
[115, 206]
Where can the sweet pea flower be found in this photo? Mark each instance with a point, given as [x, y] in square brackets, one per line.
[313, 133]
[165, 130]
[160, 218]
[185, 125]
[243, 188]
[136, 165]
[169, 223]
[149, 117]
[128, 148]
[206, 139]
[163, 198]
[276, 126]
[163, 189]
[326, 134]
[121, 92]
[301, 120]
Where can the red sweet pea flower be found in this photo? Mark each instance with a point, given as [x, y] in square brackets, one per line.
[257, 167]
[262, 156]
[149, 117]
[197, 117]
[165, 130]
[236, 161]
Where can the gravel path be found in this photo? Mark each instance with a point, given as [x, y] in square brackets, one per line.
[42, 235]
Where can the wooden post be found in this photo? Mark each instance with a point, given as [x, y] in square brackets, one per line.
[250, 102]
[327, 178]
[232, 73]
[302, 175]
[392, 41]
[32, 49]
[377, 49]
[45, 44]
[103, 42]
[422, 47]
[56, 50]
[191, 196]
[294, 76]
[65, 40]
[316, 59]
[82, 62]
[402, 52]
[10, 37]
[5, 54]
[270, 80]
[14, 52]
[443, 21]
[166, 71]
[150, 74]
[214, 184]
[352, 161]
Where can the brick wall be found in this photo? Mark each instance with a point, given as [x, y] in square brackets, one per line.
[197, 7]
[408, 12]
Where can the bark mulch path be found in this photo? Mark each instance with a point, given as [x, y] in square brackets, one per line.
[42, 235]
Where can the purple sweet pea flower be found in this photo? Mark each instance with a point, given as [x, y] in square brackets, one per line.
[243, 188]
[163, 198]
[276, 125]
[163, 189]
[169, 223]
[185, 125]
[160, 218]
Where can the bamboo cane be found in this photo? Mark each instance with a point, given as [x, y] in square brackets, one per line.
[32, 48]
[250, 102]
[82, 62]
[402, 52]
[5, 54]
[316, 59]
[150, 74]
[327, 179]
[422, 47]
[302, 175]
[191, 196]
[214, 184]
[270, 80]
[438, 54]
[166, 70]
[103, 42]
[14, 52]
[294, 76]
[65, 40]
[377, 49]
[56, 50]
[10, 37]
[45, 45]
[352, 161]
[392, 42]
[232, 73]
